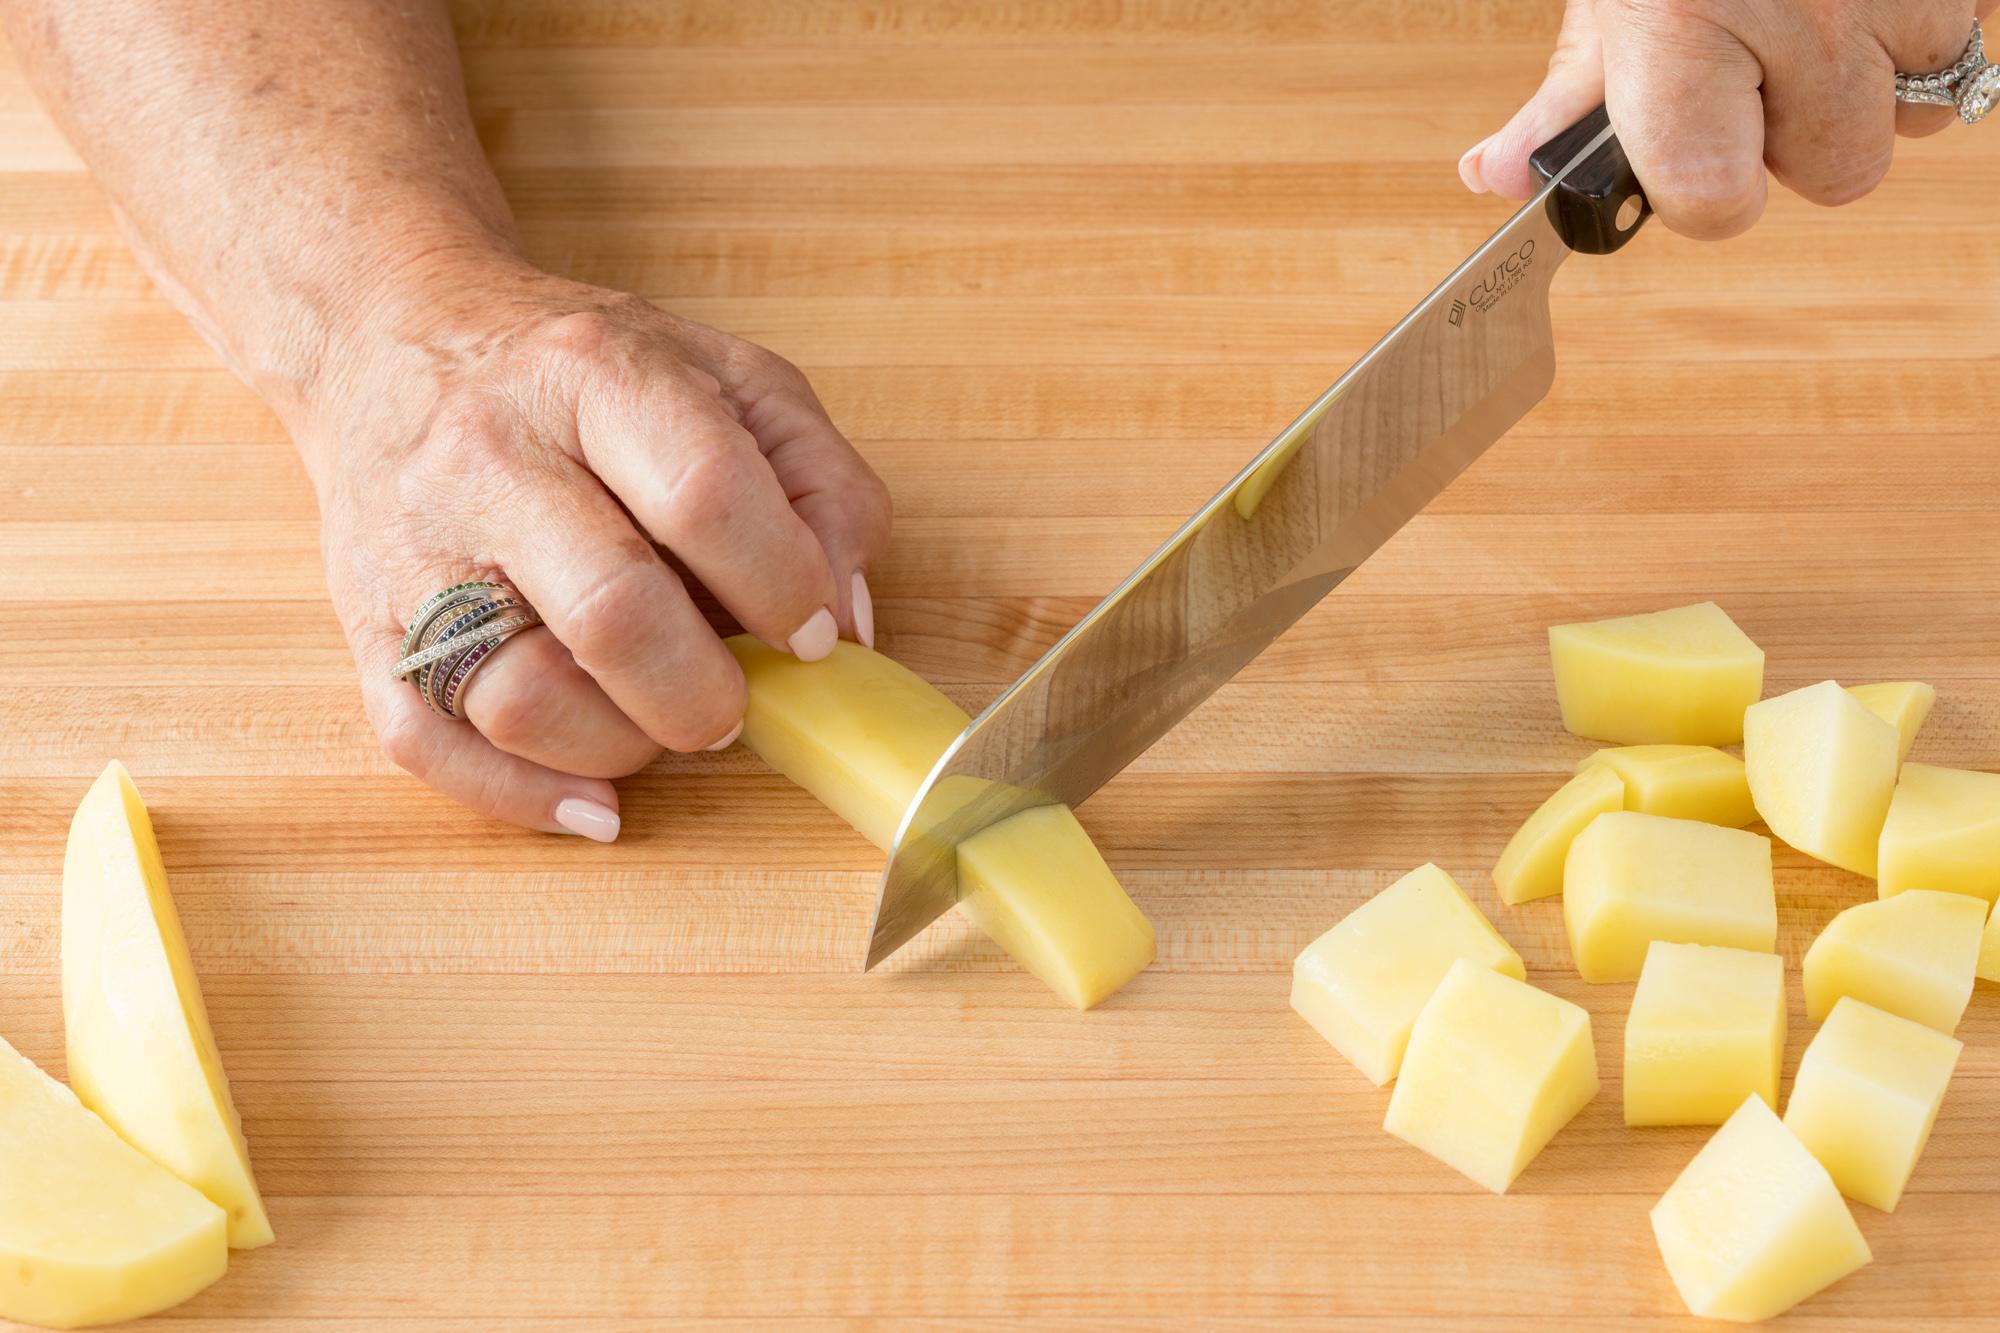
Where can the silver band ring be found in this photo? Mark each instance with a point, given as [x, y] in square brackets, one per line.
[1970, 87]
[453, 633]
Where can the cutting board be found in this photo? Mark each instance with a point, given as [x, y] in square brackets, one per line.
[1057, 269]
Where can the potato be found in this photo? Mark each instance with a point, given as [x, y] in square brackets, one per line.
[1943, 832]
[1913, 954]
[141, 1054]
[1494, 1069]
[1754, 1224]
[1362, 983]
[1531, 865]
[1989, 949]
[1632, 879]
[1707, 1029]
[1866, 1095]
[1903, 704]
[1821, 770]
[1681, 782]
[861, 733]
[92, 1231]
[1679, 677]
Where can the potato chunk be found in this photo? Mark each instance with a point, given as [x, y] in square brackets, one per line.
[1989, 949]
[1943, 832]
[1681, 782]
[1362, 984]
[1867, 1093]
[1754, 1224]
[92, 1231]
[1494, 1069]
[861, 733]
[1821, 769]
[1632, 879]
[1913, 954]
[1707, 1029]
[1679, 677]
[1531, 865]
[1903, 704]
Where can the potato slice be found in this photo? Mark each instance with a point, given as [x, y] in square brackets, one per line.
[1754, 1224]
[141, 1053]
[1943, 832]
[861, 733]
[92, 1231]
[1632, 879]
[1681, 782]
[1913, 954]
[1903, 704]
[1679, 677]
[1989, 949]
[1494, 1069]
[1866, 1096]
[1707, 1029]
[1362, 983]
[1821, 769]
[1531, 865]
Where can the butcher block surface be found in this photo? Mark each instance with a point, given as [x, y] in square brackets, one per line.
[1058, 269]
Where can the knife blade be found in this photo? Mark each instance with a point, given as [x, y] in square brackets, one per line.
[1439, 388]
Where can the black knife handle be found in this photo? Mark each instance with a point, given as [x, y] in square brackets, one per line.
[1599, 205]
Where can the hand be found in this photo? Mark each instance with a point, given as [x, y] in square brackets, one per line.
[562, 437]
[1707, 94]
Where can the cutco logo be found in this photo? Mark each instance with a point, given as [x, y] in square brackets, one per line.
[1487, 292]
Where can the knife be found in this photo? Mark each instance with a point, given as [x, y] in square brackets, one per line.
[1451, 378]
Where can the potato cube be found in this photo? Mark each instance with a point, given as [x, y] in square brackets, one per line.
[1681, 782]
[1913, 954]
[1362, 983]
[1821, 770]
[1754, 1224]
[1943, 832]
[1632, 879]
[1707, 1029]
[1494, 1069]
[1679, 677]
[1531, 866]
[1867, 1093]
[1903, 704]
[1989, 949]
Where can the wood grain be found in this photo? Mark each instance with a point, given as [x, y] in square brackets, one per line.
[1058, 268]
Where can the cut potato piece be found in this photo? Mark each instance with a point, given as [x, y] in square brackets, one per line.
[1989, 948]
[1943, 832]
[1531, 866]
[92, 1231]
[141, 1053]
[1913, 954]
[1632, 879]
[861, 733]
[1494, 1069]
[1903, 704]
[1821, 769]
[1680, 782]
[1754, 1224]
[1866, 1095]
[1707, 1029]
[1362, 984]
[1679, 677]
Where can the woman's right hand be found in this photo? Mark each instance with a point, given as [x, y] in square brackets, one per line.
[559, 437]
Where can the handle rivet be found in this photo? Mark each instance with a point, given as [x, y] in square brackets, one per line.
[1629, 211]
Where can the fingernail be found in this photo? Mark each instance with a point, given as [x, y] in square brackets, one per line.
[864, 612]
[1468, 167]
[728, 740]
[597, 822]
[814, 639]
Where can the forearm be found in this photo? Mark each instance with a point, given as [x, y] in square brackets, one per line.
[295, 174]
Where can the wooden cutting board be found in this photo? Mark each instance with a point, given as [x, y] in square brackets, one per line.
[1058, 269]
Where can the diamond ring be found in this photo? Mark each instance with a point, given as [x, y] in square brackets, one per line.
[453, 633]
[1971, 87]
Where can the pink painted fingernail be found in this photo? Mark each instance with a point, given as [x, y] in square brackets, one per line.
[1468, 167]
[597, 822]
[728, 740]
[815, 639]
[864, 612]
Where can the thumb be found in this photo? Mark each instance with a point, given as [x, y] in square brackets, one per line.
[1572, 88]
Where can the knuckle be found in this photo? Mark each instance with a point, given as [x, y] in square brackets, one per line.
[605, 619]
[705, 711]
[580, 332]
[1711, 198]
[518, 713]
[470, 435]
[1840, 181]
[709, 491]
[400, 733]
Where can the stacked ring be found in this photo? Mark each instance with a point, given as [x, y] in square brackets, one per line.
[453, 633]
